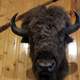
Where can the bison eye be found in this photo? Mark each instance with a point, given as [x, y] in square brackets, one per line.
[68, 39]
[25, 40]
[42, 37]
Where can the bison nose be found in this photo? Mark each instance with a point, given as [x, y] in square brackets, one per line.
[46, 65]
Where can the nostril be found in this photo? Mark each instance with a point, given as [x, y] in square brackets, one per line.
[46, 65]
[52, 67]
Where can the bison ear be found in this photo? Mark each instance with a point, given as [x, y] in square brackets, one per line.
[68, 39]
[25, 40]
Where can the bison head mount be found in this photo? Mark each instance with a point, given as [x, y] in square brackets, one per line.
[47, 31]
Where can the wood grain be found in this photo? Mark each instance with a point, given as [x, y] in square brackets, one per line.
[15, 63]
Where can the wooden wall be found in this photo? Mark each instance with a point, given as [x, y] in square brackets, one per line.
[15, 63]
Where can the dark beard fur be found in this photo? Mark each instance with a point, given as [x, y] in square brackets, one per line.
[47, 76]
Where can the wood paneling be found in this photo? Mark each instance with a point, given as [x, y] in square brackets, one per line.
[15, 63]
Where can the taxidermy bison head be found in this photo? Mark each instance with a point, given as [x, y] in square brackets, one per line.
[47, 31]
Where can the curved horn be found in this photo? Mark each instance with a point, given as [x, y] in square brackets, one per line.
[74, 27]
[15, 29]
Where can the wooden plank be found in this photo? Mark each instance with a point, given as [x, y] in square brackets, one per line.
[15, 63]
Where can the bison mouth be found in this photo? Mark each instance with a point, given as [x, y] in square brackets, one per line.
[45, 64]
[47, 76]
[46, 69]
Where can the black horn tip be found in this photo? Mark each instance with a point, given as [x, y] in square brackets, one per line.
[13, 18]
[76, 25]
[77, 17]
[16, 14]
